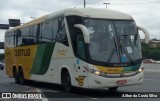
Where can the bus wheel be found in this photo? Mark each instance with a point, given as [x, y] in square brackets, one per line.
[21, 76]
[112, 89]
[15, 75]
[2, 68]
[67, 82]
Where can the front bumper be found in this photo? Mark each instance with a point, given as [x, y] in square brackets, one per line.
[95, 81]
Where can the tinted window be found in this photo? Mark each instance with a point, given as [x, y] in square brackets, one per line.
[61, 32]
[33, 31]
[46, 32]
[25, 36]
[80, 46]
[54, 28]
[9, 39]
[18, 35]
[72, 20]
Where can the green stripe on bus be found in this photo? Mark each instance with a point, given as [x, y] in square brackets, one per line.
[42, 58]
[131, 68]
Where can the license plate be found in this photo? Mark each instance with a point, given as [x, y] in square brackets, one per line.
[122, 82]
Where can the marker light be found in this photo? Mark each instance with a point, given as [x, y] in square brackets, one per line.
[97, 72]
[141, 69]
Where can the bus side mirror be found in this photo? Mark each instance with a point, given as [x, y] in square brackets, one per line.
[146, 34]
[85, 32]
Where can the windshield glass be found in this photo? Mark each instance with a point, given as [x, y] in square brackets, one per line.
[113, 41]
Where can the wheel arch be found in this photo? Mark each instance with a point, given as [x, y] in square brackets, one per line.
[20, 69]
[14, 69]
[64, 69]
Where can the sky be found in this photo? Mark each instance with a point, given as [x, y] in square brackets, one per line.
[146, 13]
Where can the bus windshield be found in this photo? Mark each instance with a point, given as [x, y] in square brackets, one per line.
[113, 41]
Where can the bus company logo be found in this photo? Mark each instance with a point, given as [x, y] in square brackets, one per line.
[22, 52]
[80, 80]
[6, 95]
[61, 52]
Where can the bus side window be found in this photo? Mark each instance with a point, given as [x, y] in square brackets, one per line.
[46, 33]
[9, 39]
[80, 46]
[37, 33]
[25, 37]
[71, 21]
[32, 35]
[61, 32]
[18, 37]
[54, 28]
[6, 39]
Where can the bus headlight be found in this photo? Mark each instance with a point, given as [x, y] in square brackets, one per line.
[140, 70]
[96, 72]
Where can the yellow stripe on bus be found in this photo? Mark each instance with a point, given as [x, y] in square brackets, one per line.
[110, 70]
[20, 56]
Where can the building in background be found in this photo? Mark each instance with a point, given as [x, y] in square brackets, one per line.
[154, 43]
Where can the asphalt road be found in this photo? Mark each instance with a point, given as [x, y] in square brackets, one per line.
[151, 84]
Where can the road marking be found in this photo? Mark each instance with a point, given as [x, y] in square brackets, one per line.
[94, 98]
[4, 75]
[51, 90]
[91, 97]
[39, 91]
[152, 70]
[27, 86]
[6, 83]
[149, 79]
[43, 99]
[16, 84]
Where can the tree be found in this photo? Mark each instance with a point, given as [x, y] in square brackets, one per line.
[150, 53]
[154, 54]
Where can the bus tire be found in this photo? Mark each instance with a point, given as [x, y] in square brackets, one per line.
[2, 68]
[66, 81]
[15, 75]
[21, 76]
[112, 89]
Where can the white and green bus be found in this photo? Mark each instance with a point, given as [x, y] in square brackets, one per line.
[78, 47]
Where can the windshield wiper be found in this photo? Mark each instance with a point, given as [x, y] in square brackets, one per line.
[113, 51]
[123, 50]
